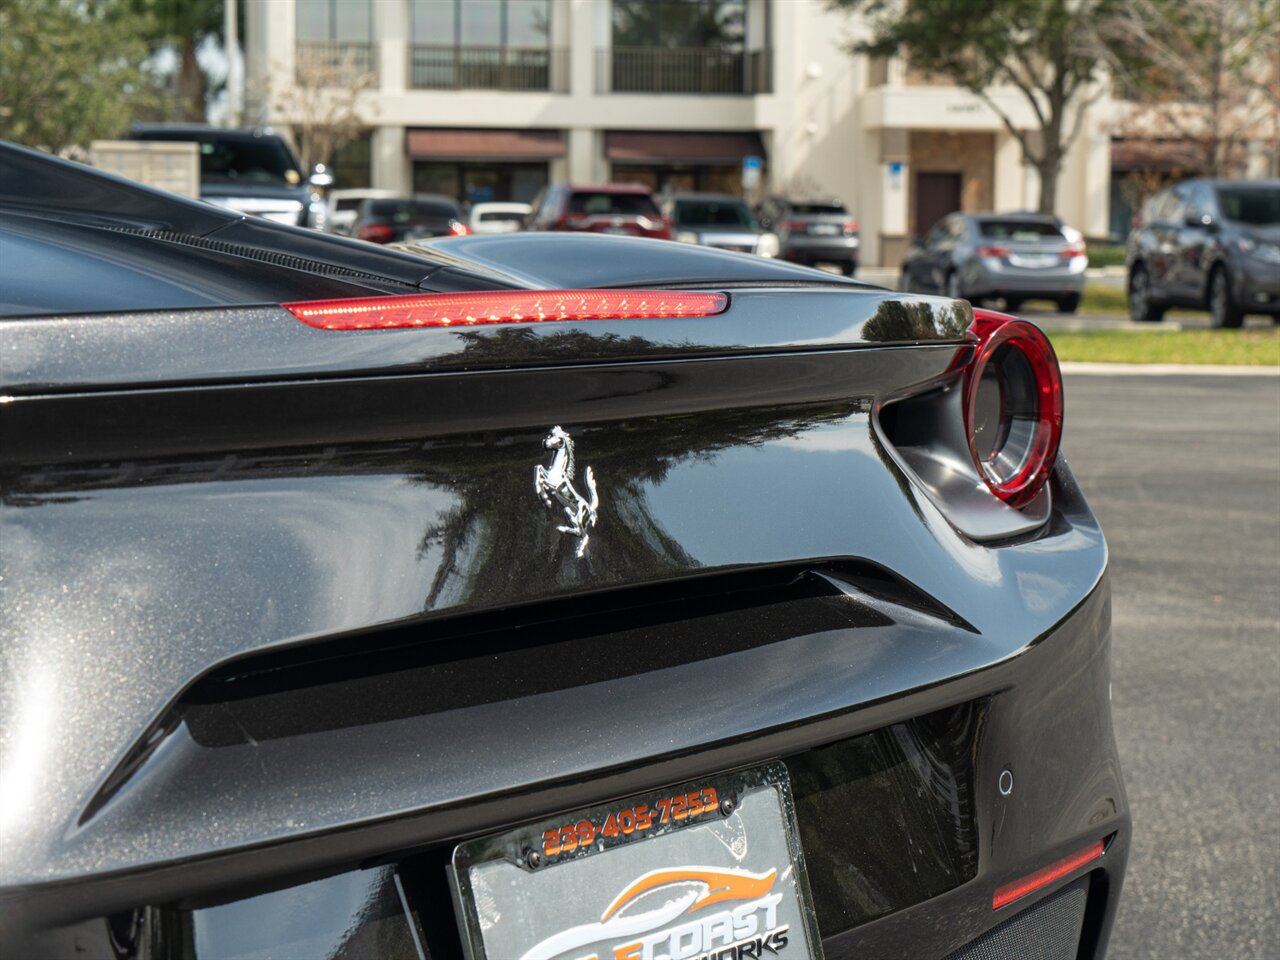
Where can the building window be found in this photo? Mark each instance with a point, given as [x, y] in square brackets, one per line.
[338, 33]
[481, 23]
[346, 20]
[680, 24]
[352, 164]
[484, 44]
[676, 177]
[684, 46]
[480, 182]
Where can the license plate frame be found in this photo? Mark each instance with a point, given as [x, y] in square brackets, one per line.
[760, 826]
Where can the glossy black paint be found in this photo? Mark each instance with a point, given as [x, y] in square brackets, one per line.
[107, 270]
[44, 188]
[120, 351]
[574, 260]
[855, 796]
[282, 605]
[341, 559]
[176, 254]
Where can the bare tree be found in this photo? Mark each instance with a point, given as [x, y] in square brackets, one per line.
[1205, 73]
[1050, 51]
[322, 102]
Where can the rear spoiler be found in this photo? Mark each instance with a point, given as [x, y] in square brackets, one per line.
[269, 343]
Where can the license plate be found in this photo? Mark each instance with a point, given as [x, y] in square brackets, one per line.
[622, 230]
[824, 229]
[1033, 262]
[709, 870]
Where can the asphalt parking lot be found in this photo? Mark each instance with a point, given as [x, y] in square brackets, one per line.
[1184, 472]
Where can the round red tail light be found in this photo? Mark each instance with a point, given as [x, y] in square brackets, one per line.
[1012, 406]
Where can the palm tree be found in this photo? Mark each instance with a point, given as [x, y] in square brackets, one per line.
[183, 25]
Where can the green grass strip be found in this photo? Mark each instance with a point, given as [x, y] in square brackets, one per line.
[1253, 348]
[1101, 298]
[1106, 255]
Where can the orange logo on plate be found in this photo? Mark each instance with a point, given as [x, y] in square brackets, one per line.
[638, 923]
[720, 886]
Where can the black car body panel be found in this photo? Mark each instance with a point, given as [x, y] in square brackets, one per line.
[41, 187]
[573, 260]
[115, 269]
[287, 621]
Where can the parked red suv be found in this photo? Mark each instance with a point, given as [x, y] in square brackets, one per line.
[624, 208]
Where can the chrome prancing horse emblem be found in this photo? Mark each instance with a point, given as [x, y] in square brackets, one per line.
[555, 483]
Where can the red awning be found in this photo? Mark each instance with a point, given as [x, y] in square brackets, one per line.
[638, 146]
[451, 143]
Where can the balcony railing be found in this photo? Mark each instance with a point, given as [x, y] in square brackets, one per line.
[684, 70]
[335, 62]
[488, 68]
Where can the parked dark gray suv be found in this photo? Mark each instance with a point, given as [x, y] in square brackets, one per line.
[1210, 244]
[813, 231]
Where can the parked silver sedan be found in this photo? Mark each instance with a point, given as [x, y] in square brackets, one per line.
[982, 256]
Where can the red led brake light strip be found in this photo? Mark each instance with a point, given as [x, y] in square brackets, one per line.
[504, 306]
[1043, 877]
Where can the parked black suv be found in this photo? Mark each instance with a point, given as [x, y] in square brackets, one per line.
[249, 171]
[1211, 244]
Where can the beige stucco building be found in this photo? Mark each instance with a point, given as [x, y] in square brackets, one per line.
[491, 99]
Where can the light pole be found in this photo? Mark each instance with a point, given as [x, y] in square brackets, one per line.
[235, 81]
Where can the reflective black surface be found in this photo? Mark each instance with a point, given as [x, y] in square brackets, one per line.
[888, 820]
[253, 574]
[352, 916]
[262, 344]
[189, 562]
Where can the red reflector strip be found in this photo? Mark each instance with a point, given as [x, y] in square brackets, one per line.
[1042, 878]
[504, 306]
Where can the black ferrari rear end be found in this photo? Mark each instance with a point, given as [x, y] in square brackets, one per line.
[533, 597]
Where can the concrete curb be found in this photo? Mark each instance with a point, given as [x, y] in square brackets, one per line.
[1164, 369]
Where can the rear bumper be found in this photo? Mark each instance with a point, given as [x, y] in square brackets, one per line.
[901, 805]
[897, 666]
[1066, 794]
[805, 249]
[980, 280]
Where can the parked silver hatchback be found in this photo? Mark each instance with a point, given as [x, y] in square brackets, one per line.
[982, 256]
